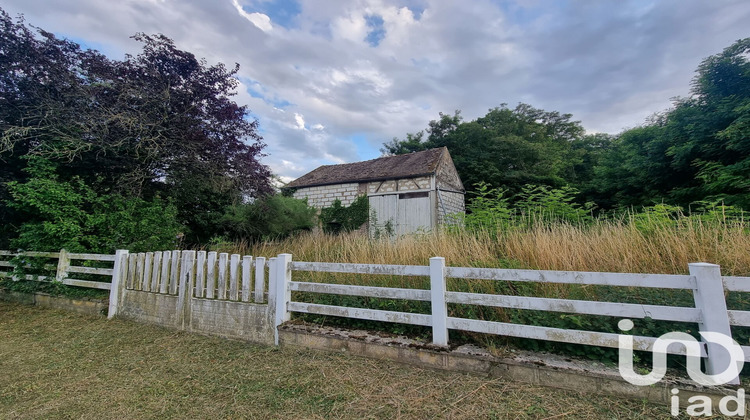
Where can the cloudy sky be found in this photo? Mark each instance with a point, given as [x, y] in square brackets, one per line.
[330, 81]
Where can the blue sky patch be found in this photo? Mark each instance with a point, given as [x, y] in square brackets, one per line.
[365, 150]
[258, 93]
[377, 31]
[105, 49]
[281, 12]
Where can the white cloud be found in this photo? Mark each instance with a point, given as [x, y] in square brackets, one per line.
[351, 28]
[300, 121]
[317, 84]
[263, 22]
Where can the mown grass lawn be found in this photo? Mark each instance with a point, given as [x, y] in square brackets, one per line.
[57, 364]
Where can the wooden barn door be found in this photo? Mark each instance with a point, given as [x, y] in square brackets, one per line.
[385, 209]
[407, 212]
[413, 212]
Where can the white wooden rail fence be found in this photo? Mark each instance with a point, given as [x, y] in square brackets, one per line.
[705, 282]
[64, 267]
[236, 278]
[215, 275]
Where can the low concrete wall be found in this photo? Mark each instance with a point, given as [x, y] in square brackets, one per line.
[538, 369]
[84, 306]
[239, 320]
[151, 308]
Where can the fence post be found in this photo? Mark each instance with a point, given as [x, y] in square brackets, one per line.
[118, 281]
[185, 288]
[709, 298]
[247, 264]
[439, 307]
[63, 262]
[260, 280]
[283, 293]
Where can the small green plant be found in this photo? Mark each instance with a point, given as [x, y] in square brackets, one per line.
[388, 227]
[538, 203]
[656, 217]
[488, 210]
[378, 231]
[338, 219]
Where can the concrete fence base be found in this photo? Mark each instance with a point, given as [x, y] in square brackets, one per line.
[238, 320]
[83, 306]
[533, 368]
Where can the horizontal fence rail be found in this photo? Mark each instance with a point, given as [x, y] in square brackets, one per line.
[704, 281]
[660, 281]
[584, 307]
[396, 270]
[737, 284]
[62, 269]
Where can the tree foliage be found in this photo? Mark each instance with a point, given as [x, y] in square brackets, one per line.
[506, 148]
[271, 217]
[71, 215]
[158, 123]
[698, 150]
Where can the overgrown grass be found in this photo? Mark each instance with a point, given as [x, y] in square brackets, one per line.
[62, 365]
[642, 243]
[605, 245]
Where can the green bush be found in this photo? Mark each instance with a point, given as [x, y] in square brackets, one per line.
[491, 211]
[337, 218]
[71, 215]
[539, 203]
[271, 217]
[488, 210]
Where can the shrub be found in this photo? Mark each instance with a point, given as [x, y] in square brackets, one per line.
[271, 217]
[488, 210]
[543, 204]
[71, 215]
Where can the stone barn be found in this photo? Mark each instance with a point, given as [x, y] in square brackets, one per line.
[411, 192]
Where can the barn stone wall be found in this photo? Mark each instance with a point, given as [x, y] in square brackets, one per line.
[449, 203]
[447, 176]
[450, 199]
[324, 195]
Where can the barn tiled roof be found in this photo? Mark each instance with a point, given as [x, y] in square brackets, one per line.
[389, 167]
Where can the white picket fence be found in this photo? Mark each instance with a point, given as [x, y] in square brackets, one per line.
[223, 276]
[214, 275]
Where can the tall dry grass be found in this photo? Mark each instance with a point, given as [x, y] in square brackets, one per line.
[634, 245]
[604, 245]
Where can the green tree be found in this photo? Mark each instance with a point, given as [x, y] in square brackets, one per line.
[506, 148]
[697, 151]
[161, 122]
